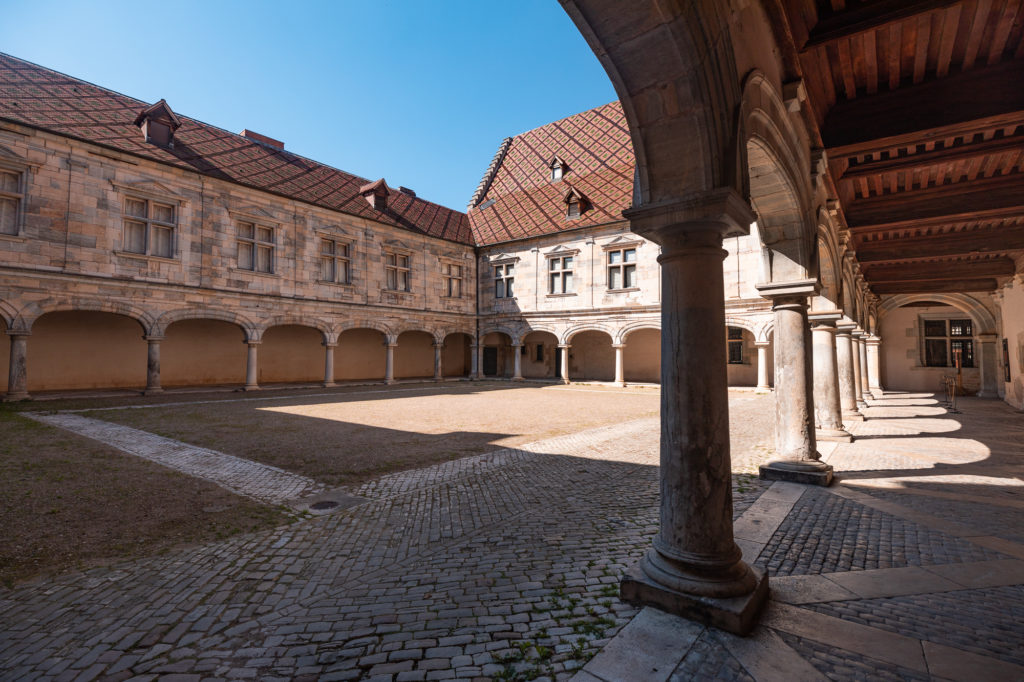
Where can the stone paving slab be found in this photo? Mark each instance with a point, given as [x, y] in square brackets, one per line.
[241, 476]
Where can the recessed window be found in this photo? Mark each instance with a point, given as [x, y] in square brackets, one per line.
[504, 279]
[946, 340]
[574, 209]
[558, 169]
[255, 247]
[452, 275]
[149, 227]
[560, 271]
[335, 261]
[397, 272]
[735, 342]
[11, 195]
[622, 268]
[540, 353]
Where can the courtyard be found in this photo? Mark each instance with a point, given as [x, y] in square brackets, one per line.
[467, 548]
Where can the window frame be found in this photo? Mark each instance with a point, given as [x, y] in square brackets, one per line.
[561, 273]
[504, 275]
[255, 244]
[335, 258]
[392, 264]
[948, 340]
[449, 278]
[623, 266]
[18, 196]
[734, 341]
[150, 225]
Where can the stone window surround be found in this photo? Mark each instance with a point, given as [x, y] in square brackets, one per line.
[396, 252]
[257, 221]
[141, 192]
[622, 246]
[503, 262]
[22, 169]
[946, 317]
[337, 239]
[447, 263]
[558, 254]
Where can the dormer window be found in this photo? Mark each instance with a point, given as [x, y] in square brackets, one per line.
[376, 194]
[158, 124]
[558, 169]
[575, 204]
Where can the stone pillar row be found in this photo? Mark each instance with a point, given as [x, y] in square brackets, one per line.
[827, 408]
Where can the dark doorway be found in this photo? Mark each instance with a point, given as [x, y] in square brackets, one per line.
[490, 361]
[558, 362]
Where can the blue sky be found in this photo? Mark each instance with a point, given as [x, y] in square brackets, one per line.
[418, 92]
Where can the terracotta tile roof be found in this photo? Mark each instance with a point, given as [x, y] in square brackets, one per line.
[598, 154]
[38, 97]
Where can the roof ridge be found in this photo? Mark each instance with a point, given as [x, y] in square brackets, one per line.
[492, 169]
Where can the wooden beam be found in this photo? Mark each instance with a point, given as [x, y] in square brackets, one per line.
[960, 285]
[916, 272]
[869, 17]
[947, 155]
[988, 98]
[959, 202]
[993, 240]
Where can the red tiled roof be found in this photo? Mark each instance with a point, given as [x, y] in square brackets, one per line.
[598, 154]
[39, 97]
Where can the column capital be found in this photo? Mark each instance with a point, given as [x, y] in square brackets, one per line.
[722, 210]
[618, 345]
[792, 289]
[438, 344]
[329, 344]
[821, 320]
[253, 343]
[516, 345]
[153, 338]
[762, 344]
[391, 344]
[873, 341]
[18, 332]
[565, 345]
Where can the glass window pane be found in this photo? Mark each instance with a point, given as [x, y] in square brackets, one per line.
[508, 287]
[135, 207]
[245, 230]
[457, 288]
[245, 255]
[326, 246]
[392, 277]
[163, 213]
[343, 273]
[934, 327]
[403, 261]
[630, 255]
[403, 280]
[630, 276]
[8, 216]
[342, 250]
[265, 234]
[163, 244]
[735, 352]
[568, 282]
[614, 257]
[499, 288]
[9, 182]
[615, 278]
[263, 259]
[327, 269]
[567, 262]
[552, 263]
[735, 334]
[510, 269]
[960, 328]
[134, 237]
[935, 353]
[556, 283]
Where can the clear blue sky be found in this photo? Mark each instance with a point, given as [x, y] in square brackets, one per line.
[420, 92]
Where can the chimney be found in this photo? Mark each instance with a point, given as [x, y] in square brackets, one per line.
[376, 194]
[262, 139]
[158, 124]
[406, 190]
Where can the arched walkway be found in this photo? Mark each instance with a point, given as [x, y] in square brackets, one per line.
[496, 355]
[414, 355]
[291, 353]
[542, 358]
[591, 356]
[80, 349]
[200, 352]
[641, 361]
[361, 354]
[455, 356]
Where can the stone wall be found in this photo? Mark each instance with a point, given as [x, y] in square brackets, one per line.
[1011, 301]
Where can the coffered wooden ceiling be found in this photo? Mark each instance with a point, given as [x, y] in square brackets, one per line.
[920, 107]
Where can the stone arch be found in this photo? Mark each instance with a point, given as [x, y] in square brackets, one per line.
[590, 327]
[963, 302]
[514, 336]
[829, 270]
[530, 328]
[367, 324]
[625, 331]
[33, 311]
[251, 330]
[674, 70]
[322, 326]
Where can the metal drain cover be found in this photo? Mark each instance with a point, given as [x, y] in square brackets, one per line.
[323, 504]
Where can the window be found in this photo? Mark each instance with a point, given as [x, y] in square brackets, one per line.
[452, 280]
[560, 275]
[622, 269]
[945, 339]
[735, 341]
[504, 277]
[335, 262]
[556, 172]
[573, 210]
[397, 272]
[540, 353]
[10, 201]
[255, 247]
[149, 227]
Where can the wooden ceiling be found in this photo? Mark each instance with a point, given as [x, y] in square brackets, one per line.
[920, 107]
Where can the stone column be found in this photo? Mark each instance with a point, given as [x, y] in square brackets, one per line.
[517, 362]
[329, 364]
[251, 366]
[438, 369]
[564, 350]
[874, 366]
[865, 386]
[796, 449]
[474, 361]
[389, 363]
[827, 410]
[858, 370]
[153, 365]
[988, 365]
[620, 375]
[762, 368]
[844, 364]
[695, 568]
[17, 373]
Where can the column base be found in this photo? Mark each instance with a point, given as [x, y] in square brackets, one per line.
[854, 416]
[253, 387]
[13, 397]
[328, 384]
[833, 435]
[733, 614]
[620, 384]
[810, 472]
[518, 379]
[153, 391]
[763, 389]
[388, 382]
[877, 393]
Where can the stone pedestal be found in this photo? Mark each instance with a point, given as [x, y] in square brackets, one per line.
[874, 366]
[329, 364]
[517, 362]
[694, 567]
[564, 350]
[153, 366]
[844, 364]
[389, 363]
[762, 369]
[251, 366]
[796, 455]
[438, 368]
[17, 372]
[827, 411]
[620, 348]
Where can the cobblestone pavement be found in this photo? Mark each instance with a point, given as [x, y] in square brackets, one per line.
[244, 477]
[506, 565]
